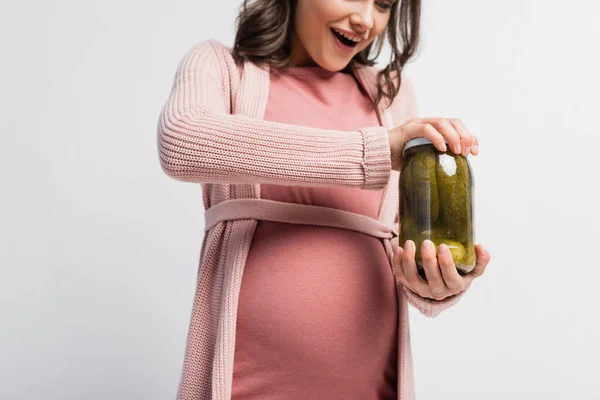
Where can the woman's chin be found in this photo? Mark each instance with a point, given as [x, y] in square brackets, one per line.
[334, 65]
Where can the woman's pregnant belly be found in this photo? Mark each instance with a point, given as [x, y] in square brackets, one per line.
[317, 316]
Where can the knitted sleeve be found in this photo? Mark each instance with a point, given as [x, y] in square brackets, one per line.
[199, 140]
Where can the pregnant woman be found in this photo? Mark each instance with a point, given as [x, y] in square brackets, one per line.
[296, 138]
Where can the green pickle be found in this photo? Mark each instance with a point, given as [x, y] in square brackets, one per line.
[436, 203]
[422, 185]
[452, 175]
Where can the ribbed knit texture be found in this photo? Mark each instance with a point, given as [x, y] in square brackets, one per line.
[201, 142]
[211, 132]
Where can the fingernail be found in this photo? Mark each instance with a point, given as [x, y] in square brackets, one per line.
[427, 244]
[443, 248]
[458, 149]
[409, 245]
[468, 151]
[476, 148]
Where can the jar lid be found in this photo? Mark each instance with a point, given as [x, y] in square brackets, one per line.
[417, 142]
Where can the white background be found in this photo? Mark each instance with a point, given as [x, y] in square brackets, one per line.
[99, 248]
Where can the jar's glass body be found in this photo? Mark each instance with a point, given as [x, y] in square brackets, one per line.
[436, 203]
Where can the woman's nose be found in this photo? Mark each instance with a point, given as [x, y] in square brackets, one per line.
[362, 18]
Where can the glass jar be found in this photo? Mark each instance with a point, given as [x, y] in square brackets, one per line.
[436, 202]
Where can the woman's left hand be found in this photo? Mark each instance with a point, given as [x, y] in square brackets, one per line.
[443, 280]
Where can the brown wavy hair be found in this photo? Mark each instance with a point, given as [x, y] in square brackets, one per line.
[264, 29]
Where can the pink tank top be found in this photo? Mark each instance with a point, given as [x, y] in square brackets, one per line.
[317, 316]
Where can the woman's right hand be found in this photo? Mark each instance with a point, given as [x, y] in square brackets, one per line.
[439, 131]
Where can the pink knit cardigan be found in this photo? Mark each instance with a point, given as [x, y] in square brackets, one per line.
[211, 132]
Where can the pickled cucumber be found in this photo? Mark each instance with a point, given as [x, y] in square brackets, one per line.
[452, 175]
[456, 249]
[467, 264]
[420, 182]
[471, 257]
[406, 224]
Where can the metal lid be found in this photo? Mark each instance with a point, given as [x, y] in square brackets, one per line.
[417, 142]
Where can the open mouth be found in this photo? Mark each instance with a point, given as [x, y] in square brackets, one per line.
[344, 40]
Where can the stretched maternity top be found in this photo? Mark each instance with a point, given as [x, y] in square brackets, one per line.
[317, 313]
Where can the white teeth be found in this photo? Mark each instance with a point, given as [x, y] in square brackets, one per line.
[354, 39]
